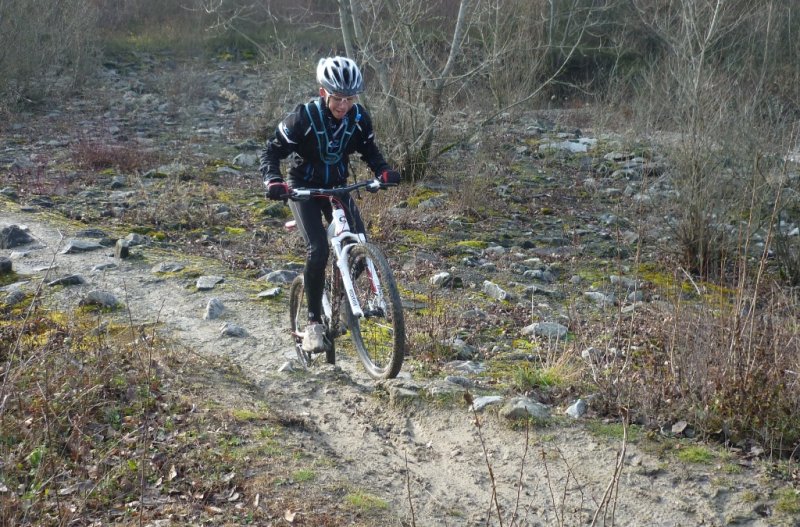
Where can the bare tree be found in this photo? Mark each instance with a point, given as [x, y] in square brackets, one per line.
[425, 58]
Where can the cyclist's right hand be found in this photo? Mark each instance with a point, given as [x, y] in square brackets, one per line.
[277, 189]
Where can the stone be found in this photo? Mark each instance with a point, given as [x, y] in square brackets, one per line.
[495, 291]
[80, 246]
[100, 298]
[6, 266]
[214, 309]
[550, 330]
[577, 409]
[280, 277]
[523, 408]
[232, 330]
[14, 236]
[479, 403]
[208, 282]
[275, 292]
[167, 267]
[122, 249]
[72, 279]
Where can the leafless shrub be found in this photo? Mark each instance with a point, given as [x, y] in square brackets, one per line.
[727, 364]
[40, 38]
[708, 84]
[97, 155]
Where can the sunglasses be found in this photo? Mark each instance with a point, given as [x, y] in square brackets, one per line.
[339, 100]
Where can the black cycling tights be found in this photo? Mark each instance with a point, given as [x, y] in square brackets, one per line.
[308, 215]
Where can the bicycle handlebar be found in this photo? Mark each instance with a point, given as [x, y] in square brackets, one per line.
[301, 194]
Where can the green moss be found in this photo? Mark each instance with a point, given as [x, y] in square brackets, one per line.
[9, 278]
[235, 231]
[422, 194]
[473, 244]
[417, 238]
[697, 454]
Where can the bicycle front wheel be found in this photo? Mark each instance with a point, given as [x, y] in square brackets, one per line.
[380, 336]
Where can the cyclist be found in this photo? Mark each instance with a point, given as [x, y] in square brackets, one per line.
[320, 136]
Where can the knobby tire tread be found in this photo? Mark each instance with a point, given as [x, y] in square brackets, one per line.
[394, 305]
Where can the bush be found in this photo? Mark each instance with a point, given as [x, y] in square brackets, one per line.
[44, 47]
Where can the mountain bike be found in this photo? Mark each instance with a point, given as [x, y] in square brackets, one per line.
[360, 294]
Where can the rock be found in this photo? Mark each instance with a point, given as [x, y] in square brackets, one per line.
[523, 408]
[479, 403]
[246, 160]
[10, 193]
[280, 277]
[91, 233]
[600, 299]
[14, 236]
[72, 279]
[134, 239]
[232, 330]
[623, 281]
[402, 396]
[275, 292]
[122, 249]
[495, 291]
[472, 315]
[591, 355]
[100, 298]
[577, 409]
[167, 267]
[14, 297]
[6, 266]
[208, 282]
[287, 367]
[460, 349]
[442, 388]
[99, 268]
[550, 330]
[214, 309]
[459, 380]
[679, 428]
[80, 246]
[465, 366]
[442, 279]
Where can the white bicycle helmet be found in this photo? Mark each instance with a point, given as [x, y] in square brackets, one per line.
[340, 75]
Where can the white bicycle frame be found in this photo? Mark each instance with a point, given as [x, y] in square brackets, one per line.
[339, 233]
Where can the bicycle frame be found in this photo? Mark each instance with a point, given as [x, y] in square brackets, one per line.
[342, 240]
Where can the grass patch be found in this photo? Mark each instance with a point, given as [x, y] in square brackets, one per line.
[304, 475]
[365, 502]
[787, 501]
[614, 431]
[696, 454]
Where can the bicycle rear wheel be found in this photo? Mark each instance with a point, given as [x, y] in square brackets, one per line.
[298, 319]
[380, 336]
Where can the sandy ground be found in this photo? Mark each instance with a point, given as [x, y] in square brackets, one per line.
[426, 455]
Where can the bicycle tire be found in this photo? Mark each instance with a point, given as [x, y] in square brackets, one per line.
[298, 314]
[379, 337]
[298, 317]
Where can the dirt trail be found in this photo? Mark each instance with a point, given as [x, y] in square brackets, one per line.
[434, 451]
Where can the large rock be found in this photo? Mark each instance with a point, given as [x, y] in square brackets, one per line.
[523, 408]
[14, 236]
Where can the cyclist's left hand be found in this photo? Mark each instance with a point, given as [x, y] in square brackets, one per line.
[390, 177]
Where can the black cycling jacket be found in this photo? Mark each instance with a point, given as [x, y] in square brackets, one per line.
[320, 146]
